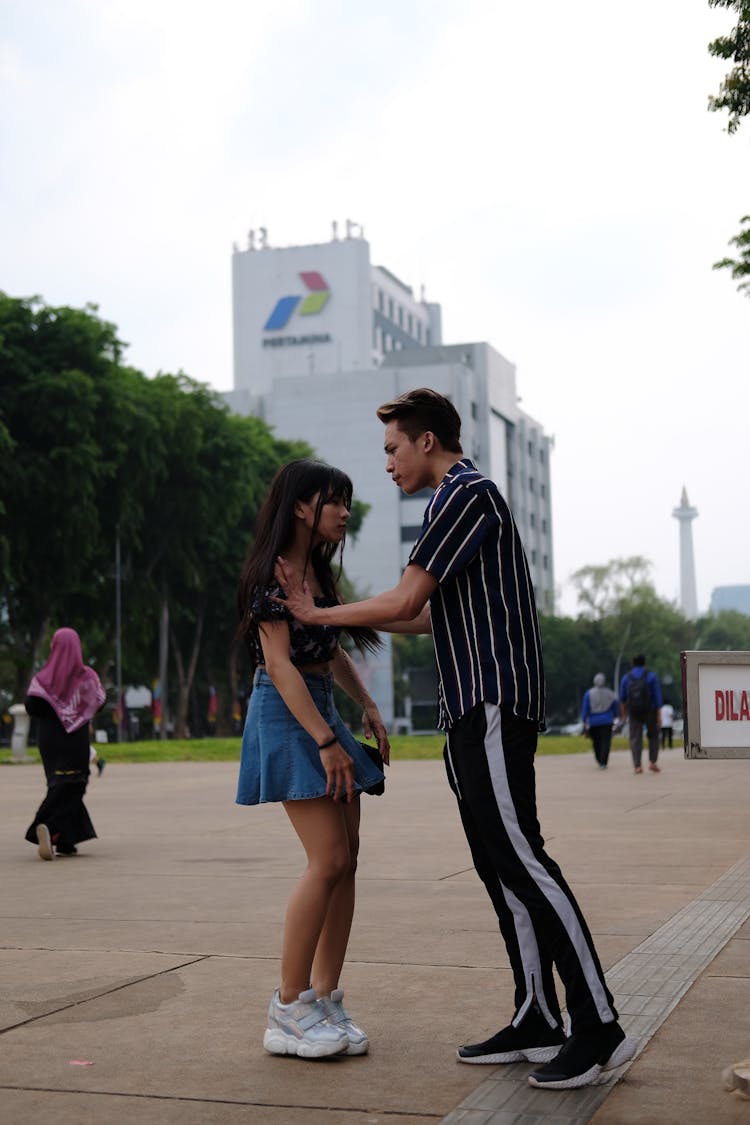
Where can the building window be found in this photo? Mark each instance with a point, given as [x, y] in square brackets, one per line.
[532, 519]
[533, 556]
[530, 446]
[390, 308]
[400, 317]
[410, 533]
[541, 456]
[531, 484]
[474, 410]
[419, 331]
[410, 324]
[381, 299]
[545, 562]
[543, 491]
[544, 527]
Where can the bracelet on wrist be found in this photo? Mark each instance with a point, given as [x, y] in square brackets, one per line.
[330, 742]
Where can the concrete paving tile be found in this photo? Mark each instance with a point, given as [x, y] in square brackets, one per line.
[36, 983]
[180, 872]
[677, 1078]
[20, 1107]
[210, 1016]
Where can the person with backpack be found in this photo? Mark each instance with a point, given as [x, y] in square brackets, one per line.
[640, 704]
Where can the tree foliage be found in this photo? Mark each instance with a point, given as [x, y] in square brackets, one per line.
[734, 97]
[739, 267]
[92, 450]
[734, 92]
[621, 615]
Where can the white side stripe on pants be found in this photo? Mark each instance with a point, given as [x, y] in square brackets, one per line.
[552, 892]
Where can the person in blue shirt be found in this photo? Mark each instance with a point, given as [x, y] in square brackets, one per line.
[599, 711]
[640, 704]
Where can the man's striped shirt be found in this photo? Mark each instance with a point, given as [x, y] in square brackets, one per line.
[484, 620]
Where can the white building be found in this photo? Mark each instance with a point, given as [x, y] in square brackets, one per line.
[321, 339]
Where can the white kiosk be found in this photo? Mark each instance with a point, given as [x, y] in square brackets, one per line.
[716, 710]
[716, 704]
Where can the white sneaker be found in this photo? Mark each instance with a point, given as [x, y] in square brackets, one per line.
[359, 1044]
[302, 1028]
[46, 851]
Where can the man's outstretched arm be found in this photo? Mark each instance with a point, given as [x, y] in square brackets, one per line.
[404, 603]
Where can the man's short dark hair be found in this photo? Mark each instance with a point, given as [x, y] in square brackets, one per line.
[421, 410]
[639, 660]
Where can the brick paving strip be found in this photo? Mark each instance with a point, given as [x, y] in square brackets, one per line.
[647, 985]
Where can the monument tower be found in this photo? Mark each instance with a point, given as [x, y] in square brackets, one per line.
[688, 598]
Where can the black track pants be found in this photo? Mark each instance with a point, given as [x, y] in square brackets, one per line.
[489, 756]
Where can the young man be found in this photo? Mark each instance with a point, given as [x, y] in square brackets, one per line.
[640, 704]
[469, 564]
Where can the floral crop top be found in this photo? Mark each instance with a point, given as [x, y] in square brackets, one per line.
[308, 644]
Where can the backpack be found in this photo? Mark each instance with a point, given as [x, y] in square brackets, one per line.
[639, 696]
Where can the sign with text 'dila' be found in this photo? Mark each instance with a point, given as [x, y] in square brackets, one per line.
[716, 704]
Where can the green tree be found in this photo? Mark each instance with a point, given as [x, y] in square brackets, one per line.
[571, 658]
[739, 267]
[727, 630]
[734, 92]
[600, 588]
[53, 365]
[734, 97]
[620, 599]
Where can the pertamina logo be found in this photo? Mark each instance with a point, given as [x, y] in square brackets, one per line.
[313, 303]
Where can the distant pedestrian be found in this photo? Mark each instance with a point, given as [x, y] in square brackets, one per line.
[640, 703]
[667, 725]
[63, 696]
[599, 711]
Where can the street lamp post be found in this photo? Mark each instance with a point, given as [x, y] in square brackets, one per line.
[118, 631]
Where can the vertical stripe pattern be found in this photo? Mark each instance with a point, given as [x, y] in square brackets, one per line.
[484, 620]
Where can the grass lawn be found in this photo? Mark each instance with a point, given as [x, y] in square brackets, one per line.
[403, 747]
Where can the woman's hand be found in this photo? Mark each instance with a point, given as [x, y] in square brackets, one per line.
[372, 724]
[339, 769]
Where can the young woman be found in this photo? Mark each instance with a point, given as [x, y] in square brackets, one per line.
[297, 750]
[64, 696]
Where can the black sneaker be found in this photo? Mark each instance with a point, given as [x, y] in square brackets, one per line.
[532, 1041]
[584, 1057]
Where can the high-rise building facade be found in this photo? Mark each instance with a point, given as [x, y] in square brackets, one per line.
[736, 598]
[321, 338]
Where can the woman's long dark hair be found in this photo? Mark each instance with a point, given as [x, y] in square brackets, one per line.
[275, 531]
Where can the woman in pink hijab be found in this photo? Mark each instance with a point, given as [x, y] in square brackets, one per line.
[63, 696]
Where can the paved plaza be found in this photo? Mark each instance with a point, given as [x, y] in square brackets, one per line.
[150, 956]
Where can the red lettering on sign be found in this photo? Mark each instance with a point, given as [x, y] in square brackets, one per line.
[719, 697]
[744, 706]
[726, 702]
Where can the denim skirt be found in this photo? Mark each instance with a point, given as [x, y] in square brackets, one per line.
[280, 761]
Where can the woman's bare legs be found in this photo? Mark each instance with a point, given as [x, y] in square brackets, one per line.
[325, 828]
[334, 937]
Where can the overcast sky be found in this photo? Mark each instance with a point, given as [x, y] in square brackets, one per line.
[548, 171]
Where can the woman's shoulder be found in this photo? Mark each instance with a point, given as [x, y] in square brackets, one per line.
[264, 607]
